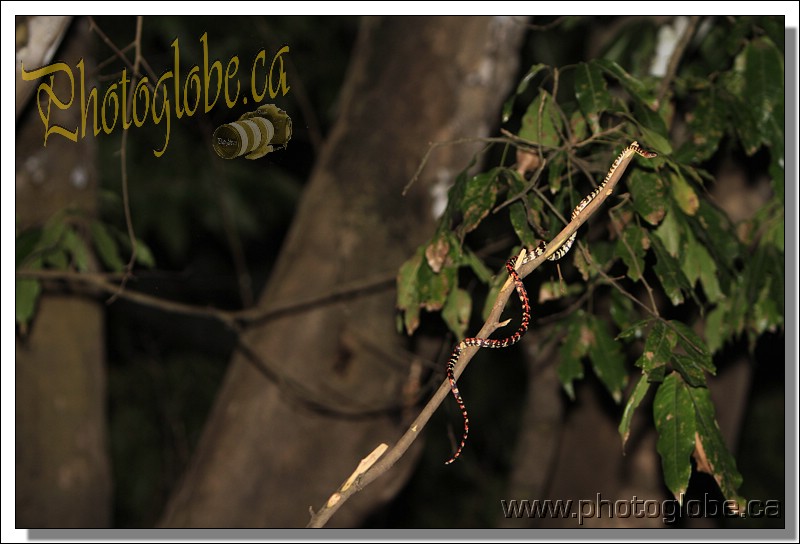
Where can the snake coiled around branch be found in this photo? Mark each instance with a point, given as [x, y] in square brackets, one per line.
[562, 250]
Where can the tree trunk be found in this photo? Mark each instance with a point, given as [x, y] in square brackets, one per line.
[274, 447]
[62, 470]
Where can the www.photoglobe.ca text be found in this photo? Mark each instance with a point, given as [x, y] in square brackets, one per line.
[670, 510]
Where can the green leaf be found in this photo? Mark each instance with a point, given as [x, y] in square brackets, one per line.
[763, 90]
[689, 369]
[479, 197]
[639, 391]
[743, 122]
[711, 453]
[634, 331]
[56, 258]
[669, 273]
[737, 306]
[697, 263]
[438, 249]
[694, 346]
[577, 125]
[706, 126]
[516, 183]
[669, 232]
[143, 254]
[519, 221]
[27, 292]
[658, 348]
[716, 233]
[631, 248]
[52, 232]
[762, 264]
[549, 133]
[683, 193]
[776, 233]
[456, 194]
[574, 349]
[555, 171]
[674, 416]
[78, 249]
[411, 319]
[654, 131]
[657, 374]
[407, 291]
[106, 247]
[434, 288]
[767, 315]
[25, 243]
[592, 93]
[756, 94]
[607, 359]
[456, 311]
[508, 106]
[717, 330]
[648, 193]
[774, 28]
[621, 311]
[636, 88]
[655, 141]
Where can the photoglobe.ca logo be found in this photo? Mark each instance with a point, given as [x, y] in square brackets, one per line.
[185, 95]
[670, 511]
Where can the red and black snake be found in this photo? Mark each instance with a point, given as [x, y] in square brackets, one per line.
[523, 295]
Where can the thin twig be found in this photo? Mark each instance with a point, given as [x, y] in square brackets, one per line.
[609, 131]
[614, 283]
[119, 53]
[526, 144]
[113, 58]
[639, 271]
[123, 160]
[549, 204]
[512, 140]
[531, 185]
[675, 59]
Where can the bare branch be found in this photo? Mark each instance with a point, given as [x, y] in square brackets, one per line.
[511, 139]
[675, 59]
[104, 283]
[126, 205]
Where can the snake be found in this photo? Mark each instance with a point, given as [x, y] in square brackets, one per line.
[511, 267]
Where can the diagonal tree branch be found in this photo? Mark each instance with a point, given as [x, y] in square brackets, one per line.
[393, 454]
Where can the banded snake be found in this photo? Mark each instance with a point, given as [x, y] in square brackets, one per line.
[562, 250]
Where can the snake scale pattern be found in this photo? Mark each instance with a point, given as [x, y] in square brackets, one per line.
[562, 250]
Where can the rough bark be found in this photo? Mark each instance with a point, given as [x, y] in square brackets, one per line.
[266, 456]
[62, 470]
